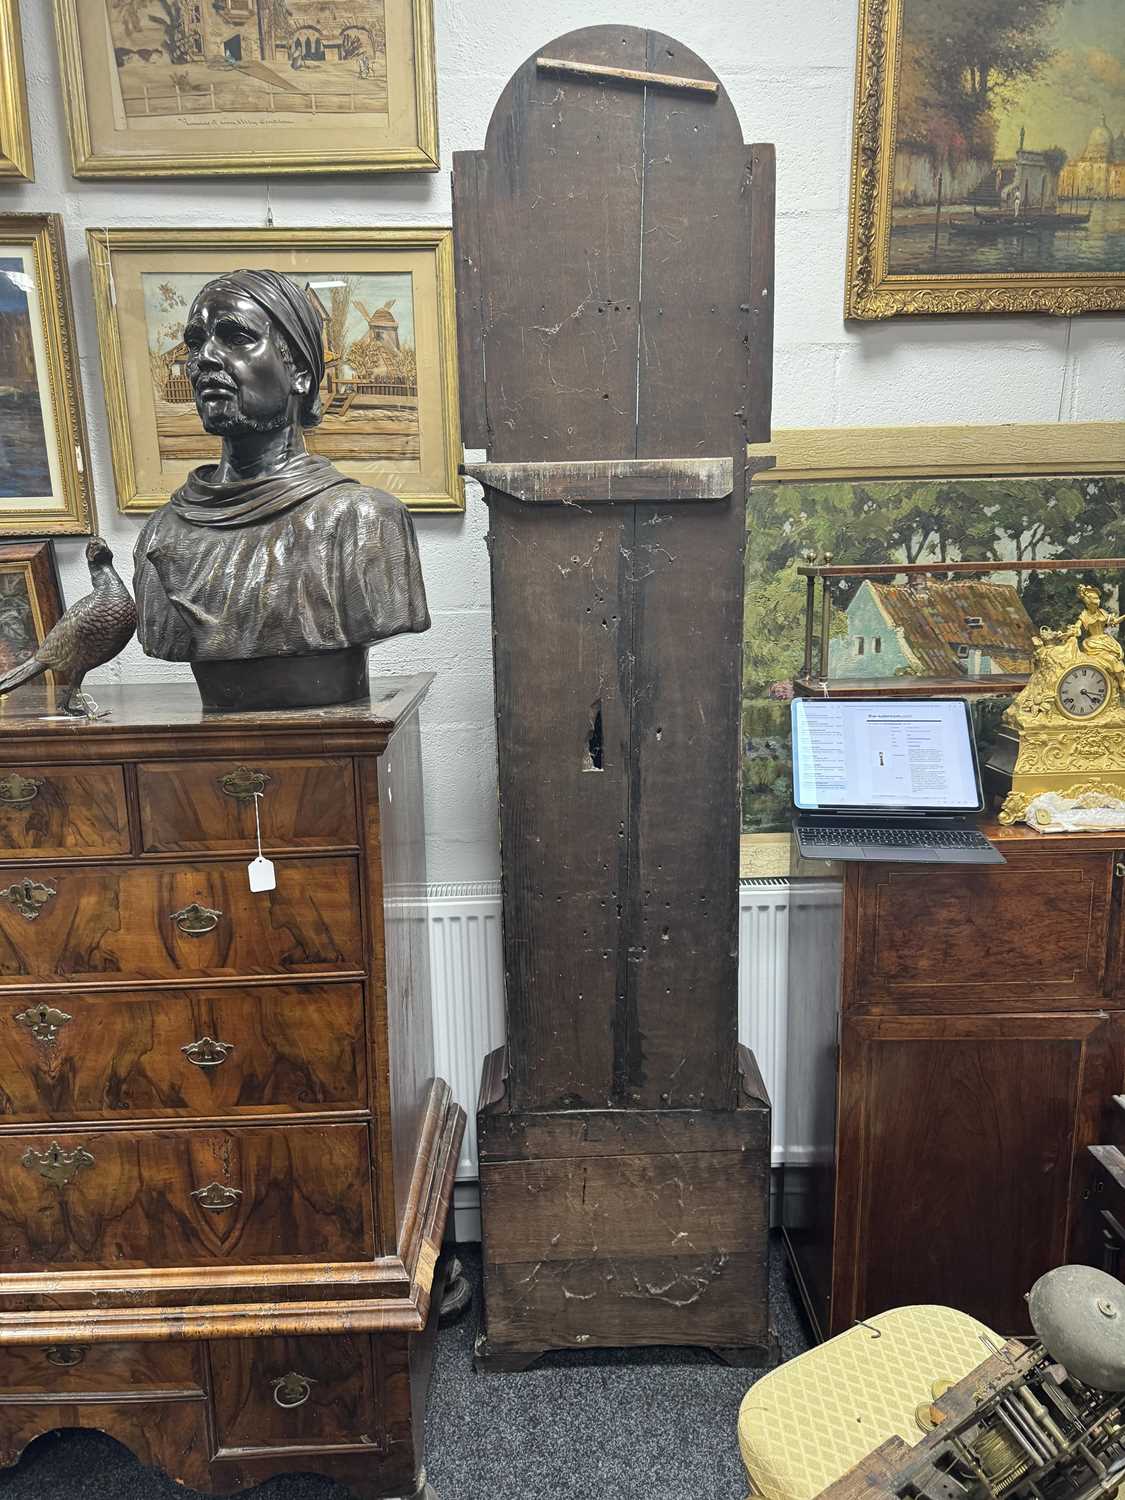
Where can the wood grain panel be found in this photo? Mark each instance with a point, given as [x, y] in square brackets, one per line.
[342, 1404]
[305, 804]
[563, 808]
[72, 1370]
[960, 1135]
[75, 810]
[171, 1435]
[305, 1192]
[116, 923]
[123, 1054]
[561, 350]
[992, 938]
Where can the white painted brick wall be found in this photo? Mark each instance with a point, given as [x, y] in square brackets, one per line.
[788, 65]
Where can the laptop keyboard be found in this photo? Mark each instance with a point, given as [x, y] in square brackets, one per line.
[927, 838]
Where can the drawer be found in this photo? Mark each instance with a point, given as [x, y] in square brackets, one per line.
[56, 811]
[121, 1198]
[101, 1369]
[182, 1052]
[209, 805]
[305, 1392]
[172, 921]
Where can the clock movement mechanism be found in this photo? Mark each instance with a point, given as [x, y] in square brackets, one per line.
[1065, 732]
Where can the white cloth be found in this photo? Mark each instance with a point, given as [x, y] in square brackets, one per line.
[1092, 812]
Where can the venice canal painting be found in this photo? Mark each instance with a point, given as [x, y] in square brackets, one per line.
[24, 463]
[370, 389]
[1010, 138]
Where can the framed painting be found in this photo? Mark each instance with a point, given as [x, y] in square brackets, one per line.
[31, 602]
[988, 171]
[168, 88]
[385, 301]
[44, 462]
[914, 497]
[15, 130]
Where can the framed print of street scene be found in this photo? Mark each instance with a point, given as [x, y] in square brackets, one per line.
[162, 88]
[988, 171]
[44, 463]
[384, 299]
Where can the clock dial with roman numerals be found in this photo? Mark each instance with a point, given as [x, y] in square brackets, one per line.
[1082, 691]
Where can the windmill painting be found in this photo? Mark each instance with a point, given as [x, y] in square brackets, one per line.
[370, 388]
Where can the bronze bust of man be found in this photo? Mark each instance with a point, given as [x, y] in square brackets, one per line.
[271, 572]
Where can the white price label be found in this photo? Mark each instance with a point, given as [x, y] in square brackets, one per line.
[262, 875]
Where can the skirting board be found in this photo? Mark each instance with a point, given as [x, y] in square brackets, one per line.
[467, 981]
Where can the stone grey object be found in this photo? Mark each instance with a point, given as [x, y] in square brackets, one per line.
[271, 572]
[94, 630]
[1078, 1314]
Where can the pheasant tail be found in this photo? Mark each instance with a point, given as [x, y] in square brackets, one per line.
[23, 673]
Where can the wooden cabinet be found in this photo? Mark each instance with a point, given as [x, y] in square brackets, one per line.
[948, 1069]
[225, 1164]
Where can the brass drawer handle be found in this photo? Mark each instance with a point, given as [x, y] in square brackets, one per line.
[292, 1389]
[243, 784]
[17, 790]
[28, 897]
[216, 1198]
[207, 1052]
[195, 920]
[67, 1355]
[55, 1165]
[43, 1021]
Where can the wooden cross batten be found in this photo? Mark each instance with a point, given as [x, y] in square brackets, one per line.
[614, 250]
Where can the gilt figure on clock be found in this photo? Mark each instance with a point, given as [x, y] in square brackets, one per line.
[1065, 732]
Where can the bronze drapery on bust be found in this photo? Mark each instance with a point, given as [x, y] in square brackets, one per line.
[271, 572]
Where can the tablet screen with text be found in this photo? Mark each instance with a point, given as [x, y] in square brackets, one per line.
[890, 757]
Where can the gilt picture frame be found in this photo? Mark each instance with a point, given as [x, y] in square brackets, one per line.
[16, 160]
[385, 300]
[979, 187]
[31, 604]
[173, 88]
[44, 456]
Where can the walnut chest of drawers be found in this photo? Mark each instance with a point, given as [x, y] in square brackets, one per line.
[225, 1164]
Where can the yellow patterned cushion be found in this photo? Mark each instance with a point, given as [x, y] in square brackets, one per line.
[809, 1421]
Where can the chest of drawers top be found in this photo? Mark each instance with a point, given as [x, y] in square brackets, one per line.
[158, 776]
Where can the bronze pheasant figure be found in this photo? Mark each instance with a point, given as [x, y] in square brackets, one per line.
[93, 630]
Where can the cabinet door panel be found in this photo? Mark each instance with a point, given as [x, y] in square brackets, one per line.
[996, 937]
[956, 1148]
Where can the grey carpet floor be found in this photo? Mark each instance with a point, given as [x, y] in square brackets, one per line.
[610, 1425]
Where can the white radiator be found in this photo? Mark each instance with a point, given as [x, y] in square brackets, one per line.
[467, 978]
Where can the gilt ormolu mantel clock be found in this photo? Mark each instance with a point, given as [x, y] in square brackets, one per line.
[1066, 729]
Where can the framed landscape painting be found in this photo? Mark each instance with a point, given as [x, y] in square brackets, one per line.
[162, 88]
[384, 298]
[988, 171]
[44, 463]
[15, 130]
[31, 602]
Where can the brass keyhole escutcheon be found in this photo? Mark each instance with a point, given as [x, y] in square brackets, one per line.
[55, 1165]
[196, 920]
[28, 897]
[292, 1389]
[66, 1355]
[207, 1052]
[43, 1021]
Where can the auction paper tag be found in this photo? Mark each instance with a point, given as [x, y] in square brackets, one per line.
[262, 875]
[261, 872]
